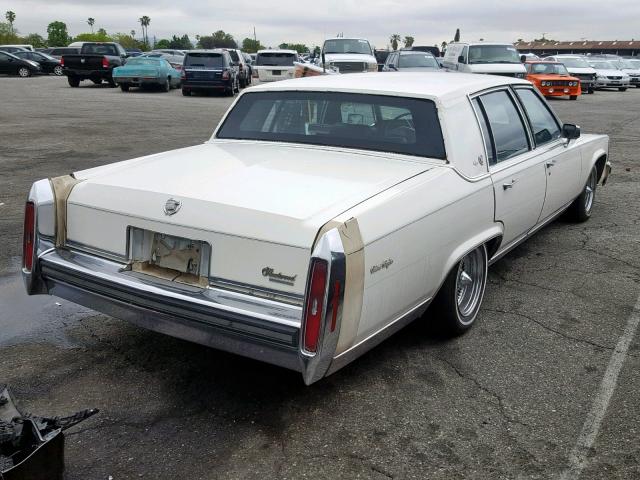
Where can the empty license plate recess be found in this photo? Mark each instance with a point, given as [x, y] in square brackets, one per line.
[169, 257]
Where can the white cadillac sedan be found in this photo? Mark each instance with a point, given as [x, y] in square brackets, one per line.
[323, 215]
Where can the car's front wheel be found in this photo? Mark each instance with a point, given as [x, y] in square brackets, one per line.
[166, 85]
[57, 71]
[124, 87]
[581, 208]
[573, 97]
[458, 302]
[622, 89]
[24, 72]
[73, 81]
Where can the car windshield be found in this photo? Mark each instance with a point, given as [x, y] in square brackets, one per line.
[624, 63]
[602, 65]
[204, 60]
[574, 62]
[493, 54]
[416, 60]
[634, 64]
[347, 45]
[369, 122]
[276, 59]
[547, 68]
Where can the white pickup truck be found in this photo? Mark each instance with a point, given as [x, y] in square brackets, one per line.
[348, 55]
[323, 214]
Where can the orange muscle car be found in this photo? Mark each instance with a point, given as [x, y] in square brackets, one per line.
[552, 79]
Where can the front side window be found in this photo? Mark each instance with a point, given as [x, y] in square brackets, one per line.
[543, 125]
[507, 130]
[370, 122]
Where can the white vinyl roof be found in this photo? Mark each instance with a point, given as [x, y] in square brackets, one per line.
[442, 86]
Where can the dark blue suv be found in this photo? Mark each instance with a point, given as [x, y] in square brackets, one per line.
[209, 70]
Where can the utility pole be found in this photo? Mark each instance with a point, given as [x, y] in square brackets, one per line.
[254, 34]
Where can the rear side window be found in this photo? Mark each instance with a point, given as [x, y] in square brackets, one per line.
[543, 125]
[370, 122]
[486, 135]
[234, 55]
[505, 125]
[275, 59]
[204, 60]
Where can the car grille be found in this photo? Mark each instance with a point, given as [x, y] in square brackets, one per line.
[583, 76]
[559, 83]
[350, 67]
[614, 78]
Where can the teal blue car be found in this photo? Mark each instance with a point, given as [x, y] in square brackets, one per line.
[146, 72]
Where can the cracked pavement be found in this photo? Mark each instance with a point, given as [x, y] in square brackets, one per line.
[505, 401]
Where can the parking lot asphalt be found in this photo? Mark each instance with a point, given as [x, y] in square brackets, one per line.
[540, 387]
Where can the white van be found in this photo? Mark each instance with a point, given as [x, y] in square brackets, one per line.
[484, 57]
[272, 65]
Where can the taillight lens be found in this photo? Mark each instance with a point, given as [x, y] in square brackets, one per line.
[105, 62]
[314, 305]
[62, 61]
[29, 235]
[183, 75]
[225, 75]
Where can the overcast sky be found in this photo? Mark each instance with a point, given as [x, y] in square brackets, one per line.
[311, 22]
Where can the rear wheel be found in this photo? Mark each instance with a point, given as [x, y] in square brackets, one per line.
[458, 301]
[166, 85]
[581, 208]
[592, 90]
[573, 97]
[57, 71]
[73, 81]
[186, 93]
[112, 83]
[622, 89]
[96, 81]
[124, 87]
[24, 72]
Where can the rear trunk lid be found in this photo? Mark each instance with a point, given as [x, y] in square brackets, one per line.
[257, 205]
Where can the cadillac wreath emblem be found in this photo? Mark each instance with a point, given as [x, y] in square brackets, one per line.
[172, 206]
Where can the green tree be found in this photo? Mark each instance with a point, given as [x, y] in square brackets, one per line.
[99, 36]
[126, 40]
[456, 37]
[180, 43]
[57, 34]
[144, 23]
[298, 47]
[408, 41]
[6, 35]
[394, 39]
[37, 41]
[219, 39]
[250, 45]
[163, 43]
[91, 21]
[11, 17]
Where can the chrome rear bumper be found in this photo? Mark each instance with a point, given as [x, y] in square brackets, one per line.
[257, 328]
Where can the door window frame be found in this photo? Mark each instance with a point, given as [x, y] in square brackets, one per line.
[523, 118]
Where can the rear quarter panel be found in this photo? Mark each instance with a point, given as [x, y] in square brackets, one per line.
[414, 234]
[592, 148]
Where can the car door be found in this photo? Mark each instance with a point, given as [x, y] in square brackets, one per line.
[517, 171]
[562, 159]
[4, 63]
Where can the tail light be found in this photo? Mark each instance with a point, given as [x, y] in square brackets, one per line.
[314, 305]
[105, 62]
[62, 61]
[29, 234]
[225, 75]
[241, 67]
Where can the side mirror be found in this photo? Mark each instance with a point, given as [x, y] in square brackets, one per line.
[523, 59]
[461, 59]
[570, 131]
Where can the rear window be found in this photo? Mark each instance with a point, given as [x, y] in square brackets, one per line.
[408, 126]
[204, 60]
[92, 48]
[273, 59]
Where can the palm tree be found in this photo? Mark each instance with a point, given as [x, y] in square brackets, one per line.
[395, 38]
[11, 17]
[144, 22]
[91, 21]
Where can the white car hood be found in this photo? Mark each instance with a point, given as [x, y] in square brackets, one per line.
[581, 70]
[631, 71]
[610, 72]
[273, 192]
[349, 57]
[497, 68]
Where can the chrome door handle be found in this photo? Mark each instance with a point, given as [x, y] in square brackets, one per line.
[505, 186]
[551, 163]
